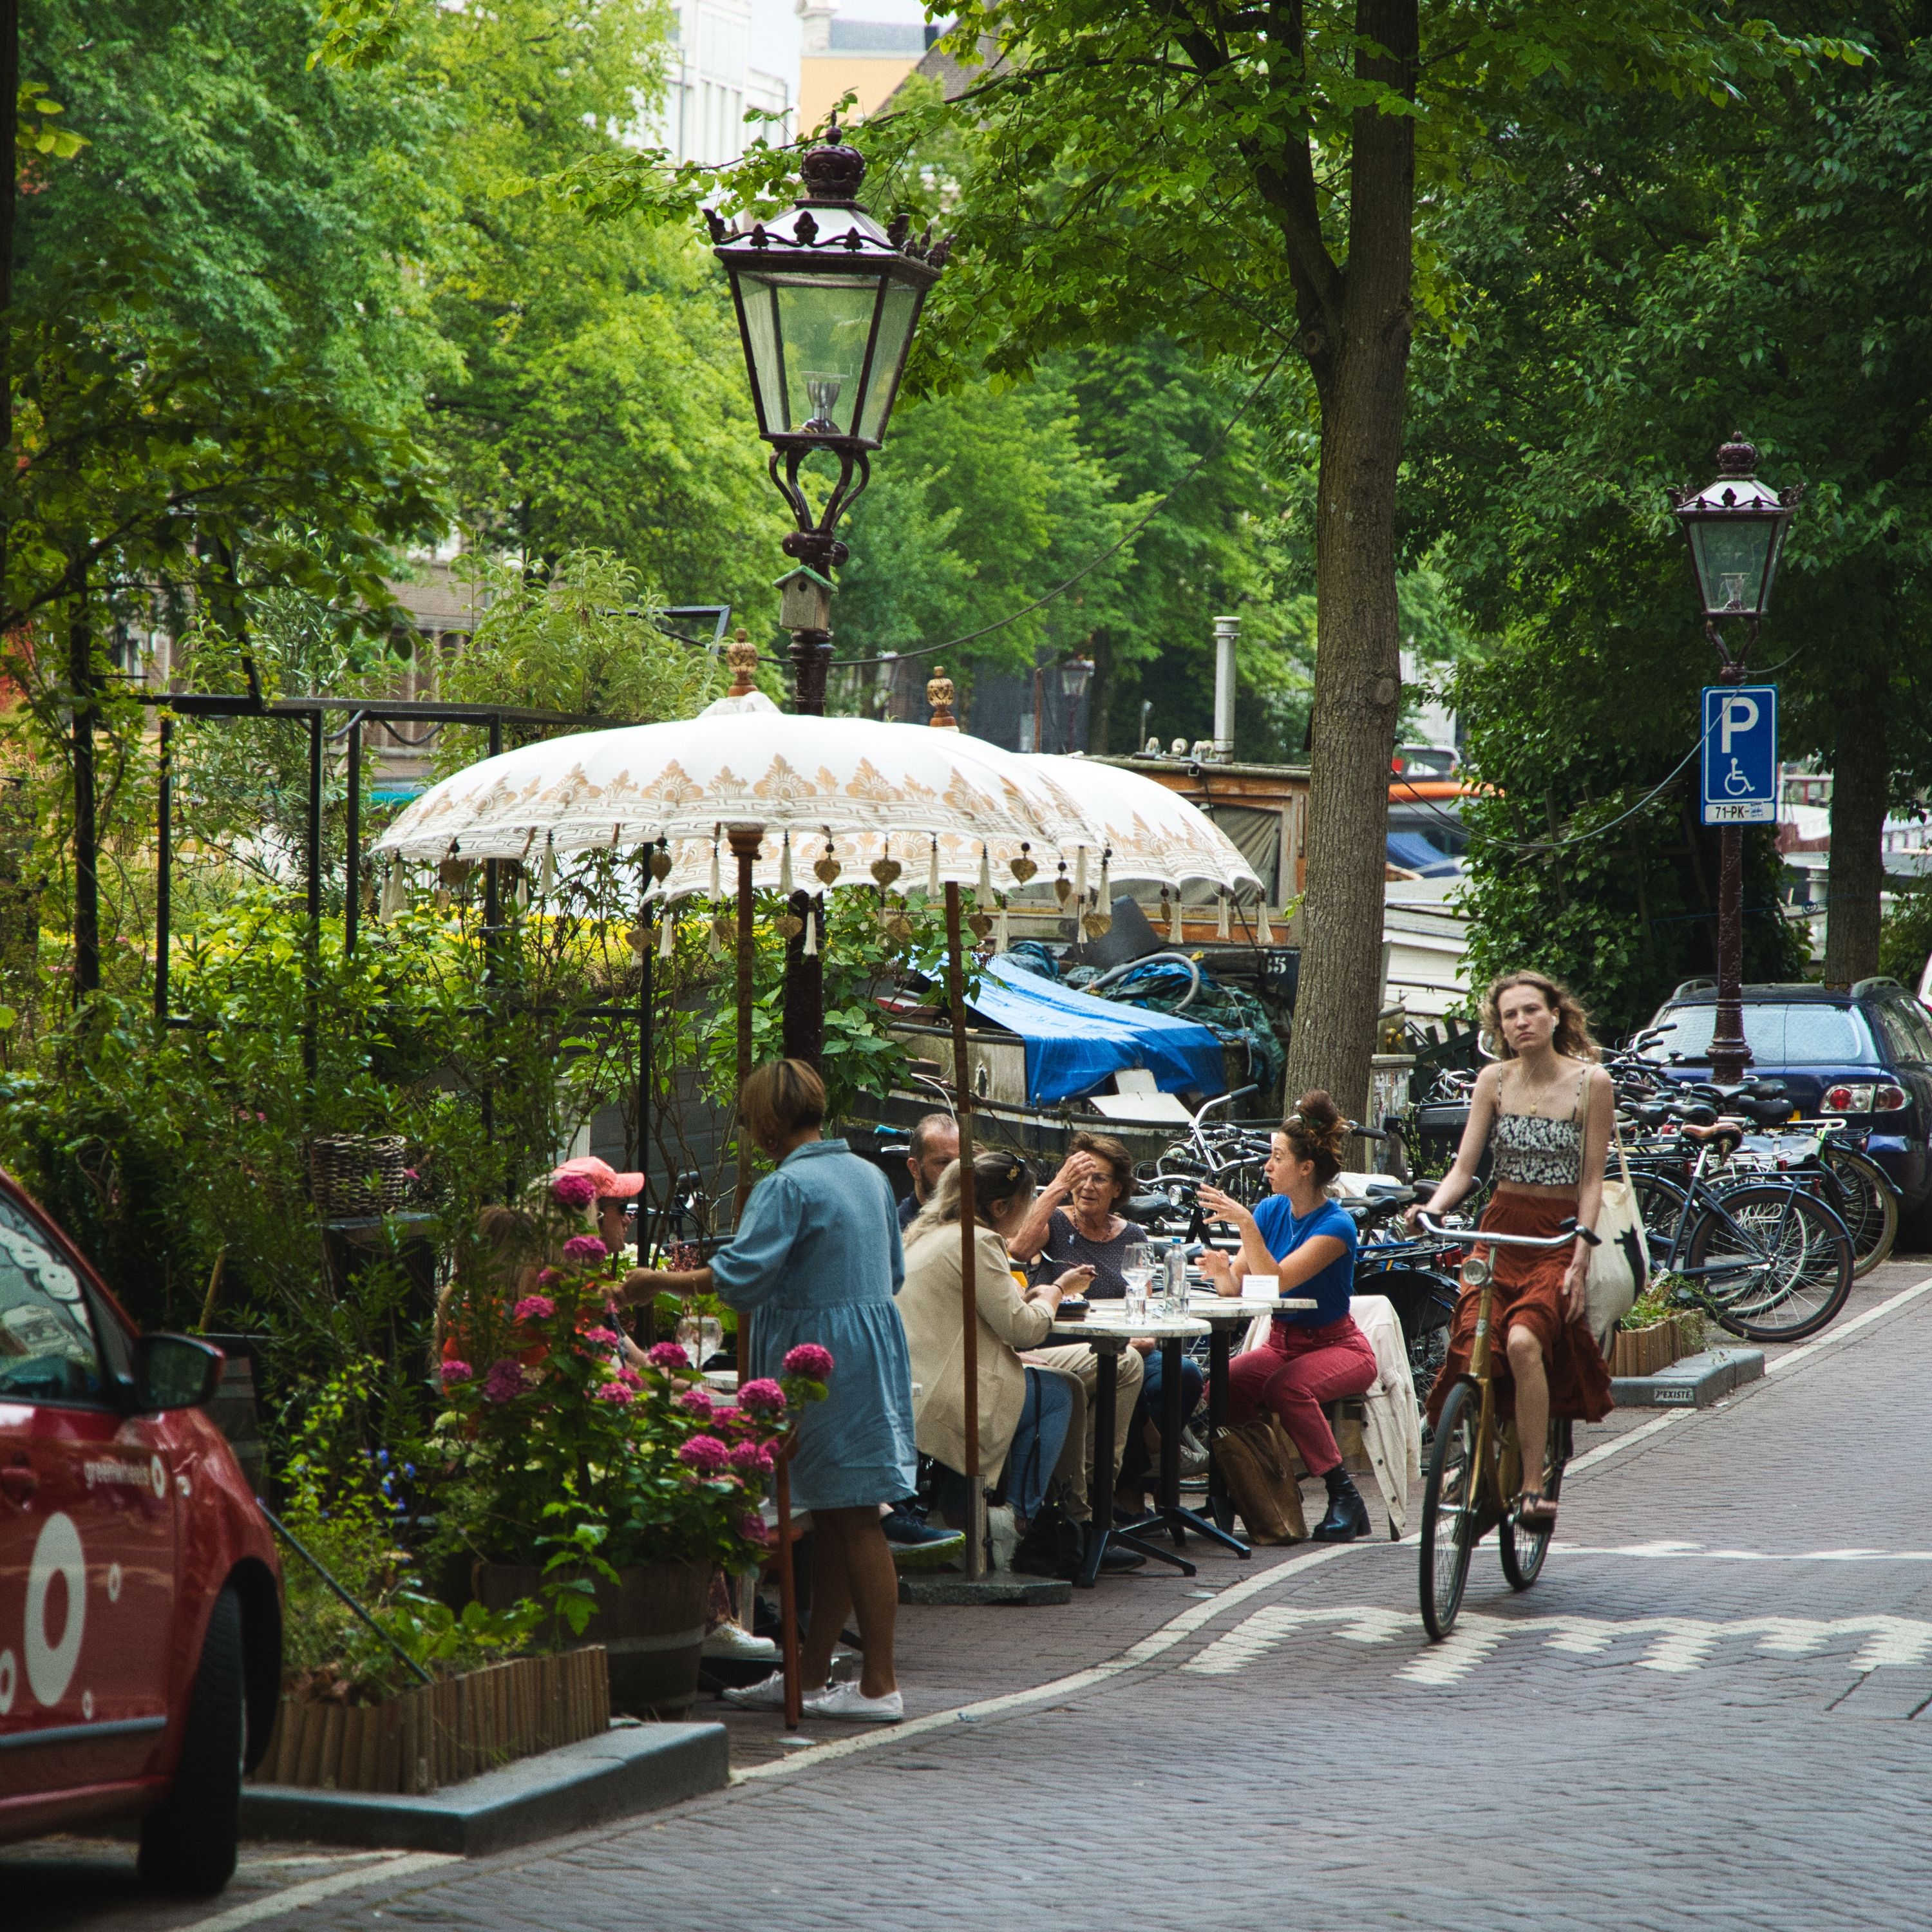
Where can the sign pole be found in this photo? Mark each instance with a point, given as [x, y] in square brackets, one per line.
[1740, 788]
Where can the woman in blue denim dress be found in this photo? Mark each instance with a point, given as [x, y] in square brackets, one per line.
[816, 1257]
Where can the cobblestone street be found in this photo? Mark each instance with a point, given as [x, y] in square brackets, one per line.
[1705, 1713]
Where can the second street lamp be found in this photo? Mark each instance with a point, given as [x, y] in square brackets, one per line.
[1735, 529]
[826, 302]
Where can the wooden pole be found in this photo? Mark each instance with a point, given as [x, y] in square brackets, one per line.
[746, 840]
[969, 1311]
[794, 1691]
[164, 871]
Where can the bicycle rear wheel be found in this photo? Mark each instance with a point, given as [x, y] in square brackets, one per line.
[1868, 1205]
[1523, 1550]
[1449, 1509]
[1772, 1264]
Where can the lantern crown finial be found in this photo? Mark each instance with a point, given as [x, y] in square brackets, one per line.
[1737, 458]
[833, 169]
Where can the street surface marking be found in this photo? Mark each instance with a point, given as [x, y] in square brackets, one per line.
[1679, 1645]
[311, 1891]
[1667, 1550]
[1833, 1336]
[1631, 1437]
[1172, 1632]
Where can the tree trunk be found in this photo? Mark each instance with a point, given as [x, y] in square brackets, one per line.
[1359, 353]
[1861, 791]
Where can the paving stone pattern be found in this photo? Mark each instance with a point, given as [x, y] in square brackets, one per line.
[1707, 1713]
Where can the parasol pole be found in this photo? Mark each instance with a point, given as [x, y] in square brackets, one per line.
[969, 1312]
[746, 841]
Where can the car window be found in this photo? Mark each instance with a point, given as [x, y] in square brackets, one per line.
[1907, 1028]
[1780, 1033]
[47, 1348]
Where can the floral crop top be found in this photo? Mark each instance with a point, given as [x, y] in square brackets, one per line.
[1534, 1150]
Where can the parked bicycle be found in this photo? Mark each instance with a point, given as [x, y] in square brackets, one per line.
[1764, 1257]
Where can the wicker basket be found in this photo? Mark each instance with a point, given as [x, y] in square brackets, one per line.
[352, 1174]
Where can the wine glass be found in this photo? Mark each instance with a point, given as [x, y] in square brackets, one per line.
[1138, 1261]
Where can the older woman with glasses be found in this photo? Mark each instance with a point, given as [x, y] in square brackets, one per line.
[1076, 1223]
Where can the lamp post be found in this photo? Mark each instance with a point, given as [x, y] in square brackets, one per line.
[1076, 674]
[826, 302]
[1735, 528]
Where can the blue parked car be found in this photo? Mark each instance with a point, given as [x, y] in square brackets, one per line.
[1864, 1055]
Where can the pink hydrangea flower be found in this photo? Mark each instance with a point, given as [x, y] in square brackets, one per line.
[454, 1371]
[697, 1402]
[752, 1459]
[615, 1391]
[504, 1381]
[763, 1396]
[550, 1278]
[533, 1308]
[810, 1360]
[630, 1379]
[586, 1250]
[752, 1527]
[601, 1338]
[669, 1356]
[704, 1454]
[573, 1190]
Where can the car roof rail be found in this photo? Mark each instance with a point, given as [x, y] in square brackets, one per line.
[1875, 983]
[1691, 986]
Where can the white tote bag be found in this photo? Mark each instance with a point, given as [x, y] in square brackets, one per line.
[1620, 1263]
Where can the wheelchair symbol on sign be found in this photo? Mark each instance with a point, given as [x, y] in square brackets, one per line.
[1735, 782]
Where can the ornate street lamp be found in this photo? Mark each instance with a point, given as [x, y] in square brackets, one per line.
[827, 300]
[1735, 529]
[1076, 674]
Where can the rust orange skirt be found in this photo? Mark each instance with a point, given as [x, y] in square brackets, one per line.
[1528, 1294]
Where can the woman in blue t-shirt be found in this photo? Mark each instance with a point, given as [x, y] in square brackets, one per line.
[1311, 1355]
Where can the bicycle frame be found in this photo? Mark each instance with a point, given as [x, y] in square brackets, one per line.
[1700, 1198]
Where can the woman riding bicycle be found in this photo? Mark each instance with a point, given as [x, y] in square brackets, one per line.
[1543, 1108]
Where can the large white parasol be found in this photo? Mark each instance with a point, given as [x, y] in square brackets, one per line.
[869, 792]
[1151, 834]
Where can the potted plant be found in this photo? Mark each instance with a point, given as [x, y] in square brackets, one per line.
[1659, 1330]
[615, 1488]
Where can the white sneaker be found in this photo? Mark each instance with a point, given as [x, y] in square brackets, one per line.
[734, 1643]
[846, 1701]
[767, 1694]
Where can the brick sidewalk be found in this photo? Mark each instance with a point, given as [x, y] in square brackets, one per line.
[1701, 1715]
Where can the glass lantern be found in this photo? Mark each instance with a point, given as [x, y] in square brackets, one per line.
[1736, 529]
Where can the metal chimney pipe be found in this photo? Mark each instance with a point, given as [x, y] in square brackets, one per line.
[1227, 635]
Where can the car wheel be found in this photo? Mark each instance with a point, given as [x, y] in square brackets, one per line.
[187, 1841]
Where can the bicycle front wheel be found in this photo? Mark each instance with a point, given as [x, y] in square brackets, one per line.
[1868, 1205]
[1771, 1263]
[1523, 1550]
[1449, 1509]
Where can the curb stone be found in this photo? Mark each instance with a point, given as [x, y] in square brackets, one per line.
[1695, 1382]
[641, 1768]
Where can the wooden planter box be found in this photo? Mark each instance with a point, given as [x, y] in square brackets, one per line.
[438, 1734]
[1643, 1352]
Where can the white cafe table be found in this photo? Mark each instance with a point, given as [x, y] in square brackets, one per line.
[1107, 1328]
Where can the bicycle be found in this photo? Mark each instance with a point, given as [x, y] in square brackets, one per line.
[1765, 1259]
[1475, 1465]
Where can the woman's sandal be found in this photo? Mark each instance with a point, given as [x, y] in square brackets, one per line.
[1536, 1513]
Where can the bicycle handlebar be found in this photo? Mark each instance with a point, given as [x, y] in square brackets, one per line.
[1222, 1100]
[1471, 1237]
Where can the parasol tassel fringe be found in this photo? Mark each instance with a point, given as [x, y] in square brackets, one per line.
[932, 886]
[811, 946]
[1174, 935]
[1222, 930]
[1263, 932]
[982, 893]
[785, 864]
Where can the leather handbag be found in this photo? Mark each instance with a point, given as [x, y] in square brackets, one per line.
[1254, 1461]
[1620, 1262]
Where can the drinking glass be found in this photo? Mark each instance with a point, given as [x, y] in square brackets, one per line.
[1138, 1262]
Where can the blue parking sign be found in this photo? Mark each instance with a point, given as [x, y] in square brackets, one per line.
[1740, 754]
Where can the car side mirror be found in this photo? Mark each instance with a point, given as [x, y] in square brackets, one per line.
[174, 1371]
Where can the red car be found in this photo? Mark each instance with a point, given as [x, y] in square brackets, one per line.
[140, 1594]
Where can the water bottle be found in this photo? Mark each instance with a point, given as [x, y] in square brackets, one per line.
[1176, 1259]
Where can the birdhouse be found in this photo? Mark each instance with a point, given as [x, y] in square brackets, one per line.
[805, 600]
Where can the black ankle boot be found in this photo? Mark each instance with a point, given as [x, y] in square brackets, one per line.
[1348, 1516]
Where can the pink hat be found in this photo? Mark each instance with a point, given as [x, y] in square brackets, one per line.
[610, 1184]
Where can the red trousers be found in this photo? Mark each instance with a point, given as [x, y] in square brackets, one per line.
[1298, 1370]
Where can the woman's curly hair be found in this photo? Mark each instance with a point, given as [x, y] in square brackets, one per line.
[1572, 1036]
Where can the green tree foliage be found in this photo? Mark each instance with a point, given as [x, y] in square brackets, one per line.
[1636, 283]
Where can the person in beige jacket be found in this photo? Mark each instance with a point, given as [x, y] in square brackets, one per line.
[1033, 1410]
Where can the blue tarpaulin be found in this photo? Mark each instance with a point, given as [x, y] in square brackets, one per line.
[1076, 1042]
